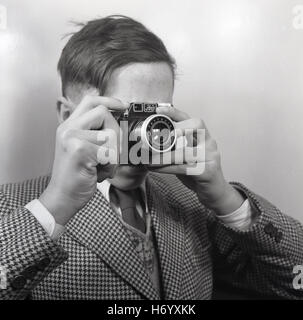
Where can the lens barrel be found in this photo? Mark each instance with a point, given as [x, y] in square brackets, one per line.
[158, 133]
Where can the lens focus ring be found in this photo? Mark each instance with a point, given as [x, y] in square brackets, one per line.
[158, 133]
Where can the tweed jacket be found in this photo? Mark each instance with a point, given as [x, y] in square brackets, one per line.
[95, 259]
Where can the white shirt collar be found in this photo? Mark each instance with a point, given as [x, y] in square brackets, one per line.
[104, 187]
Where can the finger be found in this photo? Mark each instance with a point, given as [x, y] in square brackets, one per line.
[96, 118]
[170, 169]
[90, 102]
[195, 131]
[107, 155]
[193, 123]
[107, 171]
[183, 169]
[185, 155]
[88, 154]
[196, 137]
[105, 137]
[173, 113]
[108, 142]
[82, 152]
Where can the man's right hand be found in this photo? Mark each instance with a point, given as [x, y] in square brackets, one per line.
[79, 146]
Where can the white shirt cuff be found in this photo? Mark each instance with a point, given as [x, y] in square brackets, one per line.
[45, 218]
[240, 219]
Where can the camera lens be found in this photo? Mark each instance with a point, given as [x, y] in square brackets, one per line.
[158, 132]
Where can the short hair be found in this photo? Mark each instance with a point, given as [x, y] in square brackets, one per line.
[103, 45]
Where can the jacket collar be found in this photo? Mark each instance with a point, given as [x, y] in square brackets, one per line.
[169, 231]
[98, 228]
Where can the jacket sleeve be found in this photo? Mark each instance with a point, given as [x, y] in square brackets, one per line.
[261, 259]
[27, 253]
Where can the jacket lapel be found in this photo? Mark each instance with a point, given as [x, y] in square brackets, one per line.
[98, 228]
[168, 226]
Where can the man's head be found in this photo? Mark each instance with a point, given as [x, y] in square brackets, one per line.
[117, 57]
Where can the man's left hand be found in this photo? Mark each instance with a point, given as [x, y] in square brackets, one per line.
[209, 184]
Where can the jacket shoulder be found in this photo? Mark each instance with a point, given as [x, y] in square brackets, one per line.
[20, 193]
[174, 191]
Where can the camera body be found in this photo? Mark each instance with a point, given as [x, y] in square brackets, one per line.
[141, 123]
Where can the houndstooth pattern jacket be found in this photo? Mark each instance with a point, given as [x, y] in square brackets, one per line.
[95, 259]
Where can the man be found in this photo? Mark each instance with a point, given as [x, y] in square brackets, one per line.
[91, 231]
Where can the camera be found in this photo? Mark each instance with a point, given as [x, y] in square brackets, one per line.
[141, 124]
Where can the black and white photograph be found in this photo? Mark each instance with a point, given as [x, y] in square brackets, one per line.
[151, 150]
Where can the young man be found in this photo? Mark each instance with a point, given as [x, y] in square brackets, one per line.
[124, 232]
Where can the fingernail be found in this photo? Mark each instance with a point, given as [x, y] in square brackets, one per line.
[161, 109]
[165, 105]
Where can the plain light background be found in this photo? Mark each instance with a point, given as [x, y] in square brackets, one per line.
[240, 69]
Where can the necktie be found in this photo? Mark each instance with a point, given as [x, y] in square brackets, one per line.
[127, 203]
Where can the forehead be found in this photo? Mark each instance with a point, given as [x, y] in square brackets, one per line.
[141, 82]
[149, 82]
